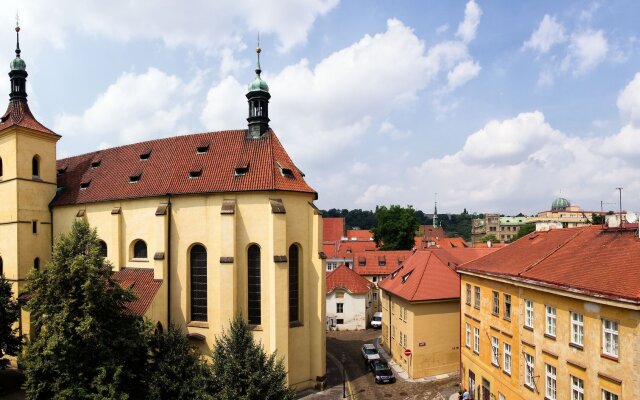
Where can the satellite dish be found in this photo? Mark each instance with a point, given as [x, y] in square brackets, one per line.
[613, 221]
[631, 217]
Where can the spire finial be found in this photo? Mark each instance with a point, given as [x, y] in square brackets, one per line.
[258, 51]
[17, 35]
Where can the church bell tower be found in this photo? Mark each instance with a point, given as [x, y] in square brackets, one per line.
[258, 97]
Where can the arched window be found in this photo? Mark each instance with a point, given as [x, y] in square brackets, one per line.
[253, 287]
[103, 248]
[140, 249]
[294, 284]
[36, 263]
[35, 166]
[198, 264]
[1, 267]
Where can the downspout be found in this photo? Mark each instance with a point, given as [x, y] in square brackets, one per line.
[390, 343]
[169, 210]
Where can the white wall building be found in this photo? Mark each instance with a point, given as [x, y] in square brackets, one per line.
[349, 300]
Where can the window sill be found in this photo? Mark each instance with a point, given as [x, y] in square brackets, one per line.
[295, 324]
[529, 387]
[495, 314]
[495, 365]
[508, 319]
[549, 336]
[609, 357]
[476, 307]
[476, 353]
[576, 346]
[198, 324]
[506, 373]
[255, 327]
[527, 328]
[139, 260]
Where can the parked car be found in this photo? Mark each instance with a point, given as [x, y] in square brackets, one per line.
[376, 320]
[382, 372]
[369, 352]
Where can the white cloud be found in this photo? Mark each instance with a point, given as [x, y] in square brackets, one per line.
[442, 29]
[133, 109]
[548, 34]
[375, 194]
[216, 24]
[586, 50]
[319, 110]
[629, 101]
[469, 26]
[389, 129]
[462, 73]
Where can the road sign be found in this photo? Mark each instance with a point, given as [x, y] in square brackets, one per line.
[407, 352]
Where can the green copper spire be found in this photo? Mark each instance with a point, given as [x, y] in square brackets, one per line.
[18, 63]
[258, 83]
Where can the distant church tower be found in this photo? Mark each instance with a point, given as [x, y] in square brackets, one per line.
[435, 213]
[258, 97]
[27, 185]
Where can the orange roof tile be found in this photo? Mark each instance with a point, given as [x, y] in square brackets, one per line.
[141, 281]
[390, 259]
[343, 277]
[346, 249]
[590, 259]
[19, 114]
[332, 229]
[429, 274]
[166, 169]
[359, 234]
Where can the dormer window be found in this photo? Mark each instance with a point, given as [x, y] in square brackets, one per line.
[202, 149]
[382, 261]
[406, 276]
[195, 173]
[144, 156]
[135, 178]
[362, 261]
[286, 172]
[395, 273]
[95, 163]
[62, 170]
[241, 170]
[85, 184]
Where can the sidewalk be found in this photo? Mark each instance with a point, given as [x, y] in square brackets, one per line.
[402, 374]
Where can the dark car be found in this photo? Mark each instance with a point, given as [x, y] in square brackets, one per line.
[382, 372]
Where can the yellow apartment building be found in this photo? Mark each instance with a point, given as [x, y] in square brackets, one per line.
[201, 227]
[421, 311]
[555, 315]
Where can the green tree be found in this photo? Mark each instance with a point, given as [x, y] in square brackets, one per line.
[243, 371]
[86, 344]
[525, 230]
[597, 219]
[9, 341]
[396, 227]
[489, 238]
[176, 370]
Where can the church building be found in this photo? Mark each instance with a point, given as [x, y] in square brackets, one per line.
[201, 227]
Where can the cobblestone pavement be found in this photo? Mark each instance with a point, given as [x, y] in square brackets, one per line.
[361, 383]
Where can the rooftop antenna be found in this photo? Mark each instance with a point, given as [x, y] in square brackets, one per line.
[619, 189]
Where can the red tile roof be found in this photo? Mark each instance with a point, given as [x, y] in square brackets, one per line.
[430, 274]
[332, 229]
[141, 281]
[330, 249]
[19, 114]
[429, 232]
[343, 277]
[359, 234]
[592, 260]
[166, 171]
[348, 248]
[373, 259]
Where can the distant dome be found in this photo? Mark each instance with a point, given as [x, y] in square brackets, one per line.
[258, 84]
[560, 204]
[18, 64]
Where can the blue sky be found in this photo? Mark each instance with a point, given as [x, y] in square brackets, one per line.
[497, 106]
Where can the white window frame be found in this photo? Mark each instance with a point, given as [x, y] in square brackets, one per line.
[496, 303]
[506, 358]
[507, 300]
[476, 340]
[468, 335]
[529, 370]
[550, 321]
[550, 382]
[577, 328]
[607, 395]
[495, 351]
[476, 303]
[577, 388]
[610, 339]
[468, 300]
[339, 308]
[528, 313]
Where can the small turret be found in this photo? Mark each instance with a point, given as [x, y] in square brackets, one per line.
[18, 74]
[258, 97]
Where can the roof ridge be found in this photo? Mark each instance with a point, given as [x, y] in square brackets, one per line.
[527, 269]
[426, 264]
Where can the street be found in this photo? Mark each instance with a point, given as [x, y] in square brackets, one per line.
[361, 382]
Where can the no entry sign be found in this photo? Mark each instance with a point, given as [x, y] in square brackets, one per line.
[407, 352]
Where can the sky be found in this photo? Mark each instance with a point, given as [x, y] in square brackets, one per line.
[496, 106]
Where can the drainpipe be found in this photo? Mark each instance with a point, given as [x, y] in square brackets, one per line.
[169, 210]
[390, 343]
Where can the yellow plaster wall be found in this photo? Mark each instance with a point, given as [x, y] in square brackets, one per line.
[586, 363]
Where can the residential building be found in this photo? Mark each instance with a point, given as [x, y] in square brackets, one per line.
[202, 226]
[570, 216]
[555, 315]
[339, 245]
[421, 311]
[509, 227]
[349, 300]
[481, 227]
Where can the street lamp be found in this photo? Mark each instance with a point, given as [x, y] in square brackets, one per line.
[343, 359]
